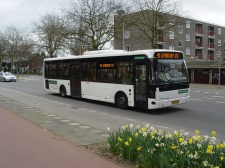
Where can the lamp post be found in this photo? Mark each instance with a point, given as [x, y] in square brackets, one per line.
[219, 72]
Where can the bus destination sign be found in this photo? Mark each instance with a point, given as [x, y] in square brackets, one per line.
[168, 55]
[106, 65]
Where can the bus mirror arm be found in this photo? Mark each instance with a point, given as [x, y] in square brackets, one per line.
[155, 64]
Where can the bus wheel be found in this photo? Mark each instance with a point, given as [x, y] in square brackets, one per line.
[63, 91]
[121, 101]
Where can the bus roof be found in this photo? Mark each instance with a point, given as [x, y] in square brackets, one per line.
[109, 53]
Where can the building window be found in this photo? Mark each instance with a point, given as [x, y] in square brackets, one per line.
[180, 43]
[188, 24]
[219, 42]
[171, 47]
[127, 48]
[219, 30]
[218, 52]
[180, 29]
[188, 37]
[171, 34]
[224, 38]
[188, 51]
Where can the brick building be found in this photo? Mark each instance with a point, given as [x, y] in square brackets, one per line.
[202, 43]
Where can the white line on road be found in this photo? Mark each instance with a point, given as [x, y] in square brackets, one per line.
[220, 102]
[196, 99]
[208, 98]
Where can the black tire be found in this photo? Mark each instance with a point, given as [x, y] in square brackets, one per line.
[121, 101]
[63, 91]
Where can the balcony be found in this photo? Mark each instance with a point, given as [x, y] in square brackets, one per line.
[211, 47]
[211, 35]
[198, 45]
[199, 33]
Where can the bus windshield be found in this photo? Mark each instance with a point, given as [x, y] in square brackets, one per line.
[171, 71]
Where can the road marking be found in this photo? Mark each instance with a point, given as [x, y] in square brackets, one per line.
[65, 120]
[84, 127]
[220, 102]
[74, 123]
[218, 97]
[196, 99]
[208, 98]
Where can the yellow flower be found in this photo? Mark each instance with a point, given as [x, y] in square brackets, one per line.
[197, 132]
[181, 140]
[173, 146]
[127, 143]
[130, 139]
[213, 133]
[222, 146]
[190, 141]
[216, 167]
[143, 129]
[152, 133]
[120, 139]
[126, 126]
[136, 134]
[176, 134]
[139, 148]
[217, 146]
[199, 138]
[221, 158]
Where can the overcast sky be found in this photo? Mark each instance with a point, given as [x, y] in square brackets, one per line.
[21, 13]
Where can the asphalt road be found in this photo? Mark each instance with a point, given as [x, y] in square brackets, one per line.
[204, 112]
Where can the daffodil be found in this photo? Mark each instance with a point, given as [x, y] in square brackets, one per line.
[130, 139]
[181, 140]
[176, 134]
[213, 133]
[221, 158]
[143, 129]
[136, 134]
[190, 141]
[197, 132]
[222, 146]
[120, 139]
[139, 148]
[127, 143]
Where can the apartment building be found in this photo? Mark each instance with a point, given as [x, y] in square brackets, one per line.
[202, 43]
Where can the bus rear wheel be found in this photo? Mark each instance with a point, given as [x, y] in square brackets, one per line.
[63, 91]
[121, 101]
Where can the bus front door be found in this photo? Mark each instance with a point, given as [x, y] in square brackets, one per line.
[75, 80]
[140, 99]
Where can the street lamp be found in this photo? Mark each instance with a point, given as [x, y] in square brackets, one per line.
[219, 72]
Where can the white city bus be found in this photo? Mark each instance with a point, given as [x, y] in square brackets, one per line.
[148, 79]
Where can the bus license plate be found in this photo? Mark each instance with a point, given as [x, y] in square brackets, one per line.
[175, 102]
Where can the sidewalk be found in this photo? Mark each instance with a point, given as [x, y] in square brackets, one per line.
[25, 145]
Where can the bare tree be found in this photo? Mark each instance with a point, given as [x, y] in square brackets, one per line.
[3, 47]
[92, 22]
[154, 18]
[52, 29]
[14, 38]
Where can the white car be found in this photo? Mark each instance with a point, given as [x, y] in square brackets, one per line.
[7, 77]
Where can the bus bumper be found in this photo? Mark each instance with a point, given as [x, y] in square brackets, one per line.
[153, 104]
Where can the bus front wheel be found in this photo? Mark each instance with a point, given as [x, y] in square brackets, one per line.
[121, 101]
[63, 91]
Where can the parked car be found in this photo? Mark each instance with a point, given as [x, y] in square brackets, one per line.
[7, 77]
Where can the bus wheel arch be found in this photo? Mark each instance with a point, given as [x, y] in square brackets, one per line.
[121, 100]
[62, 91]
